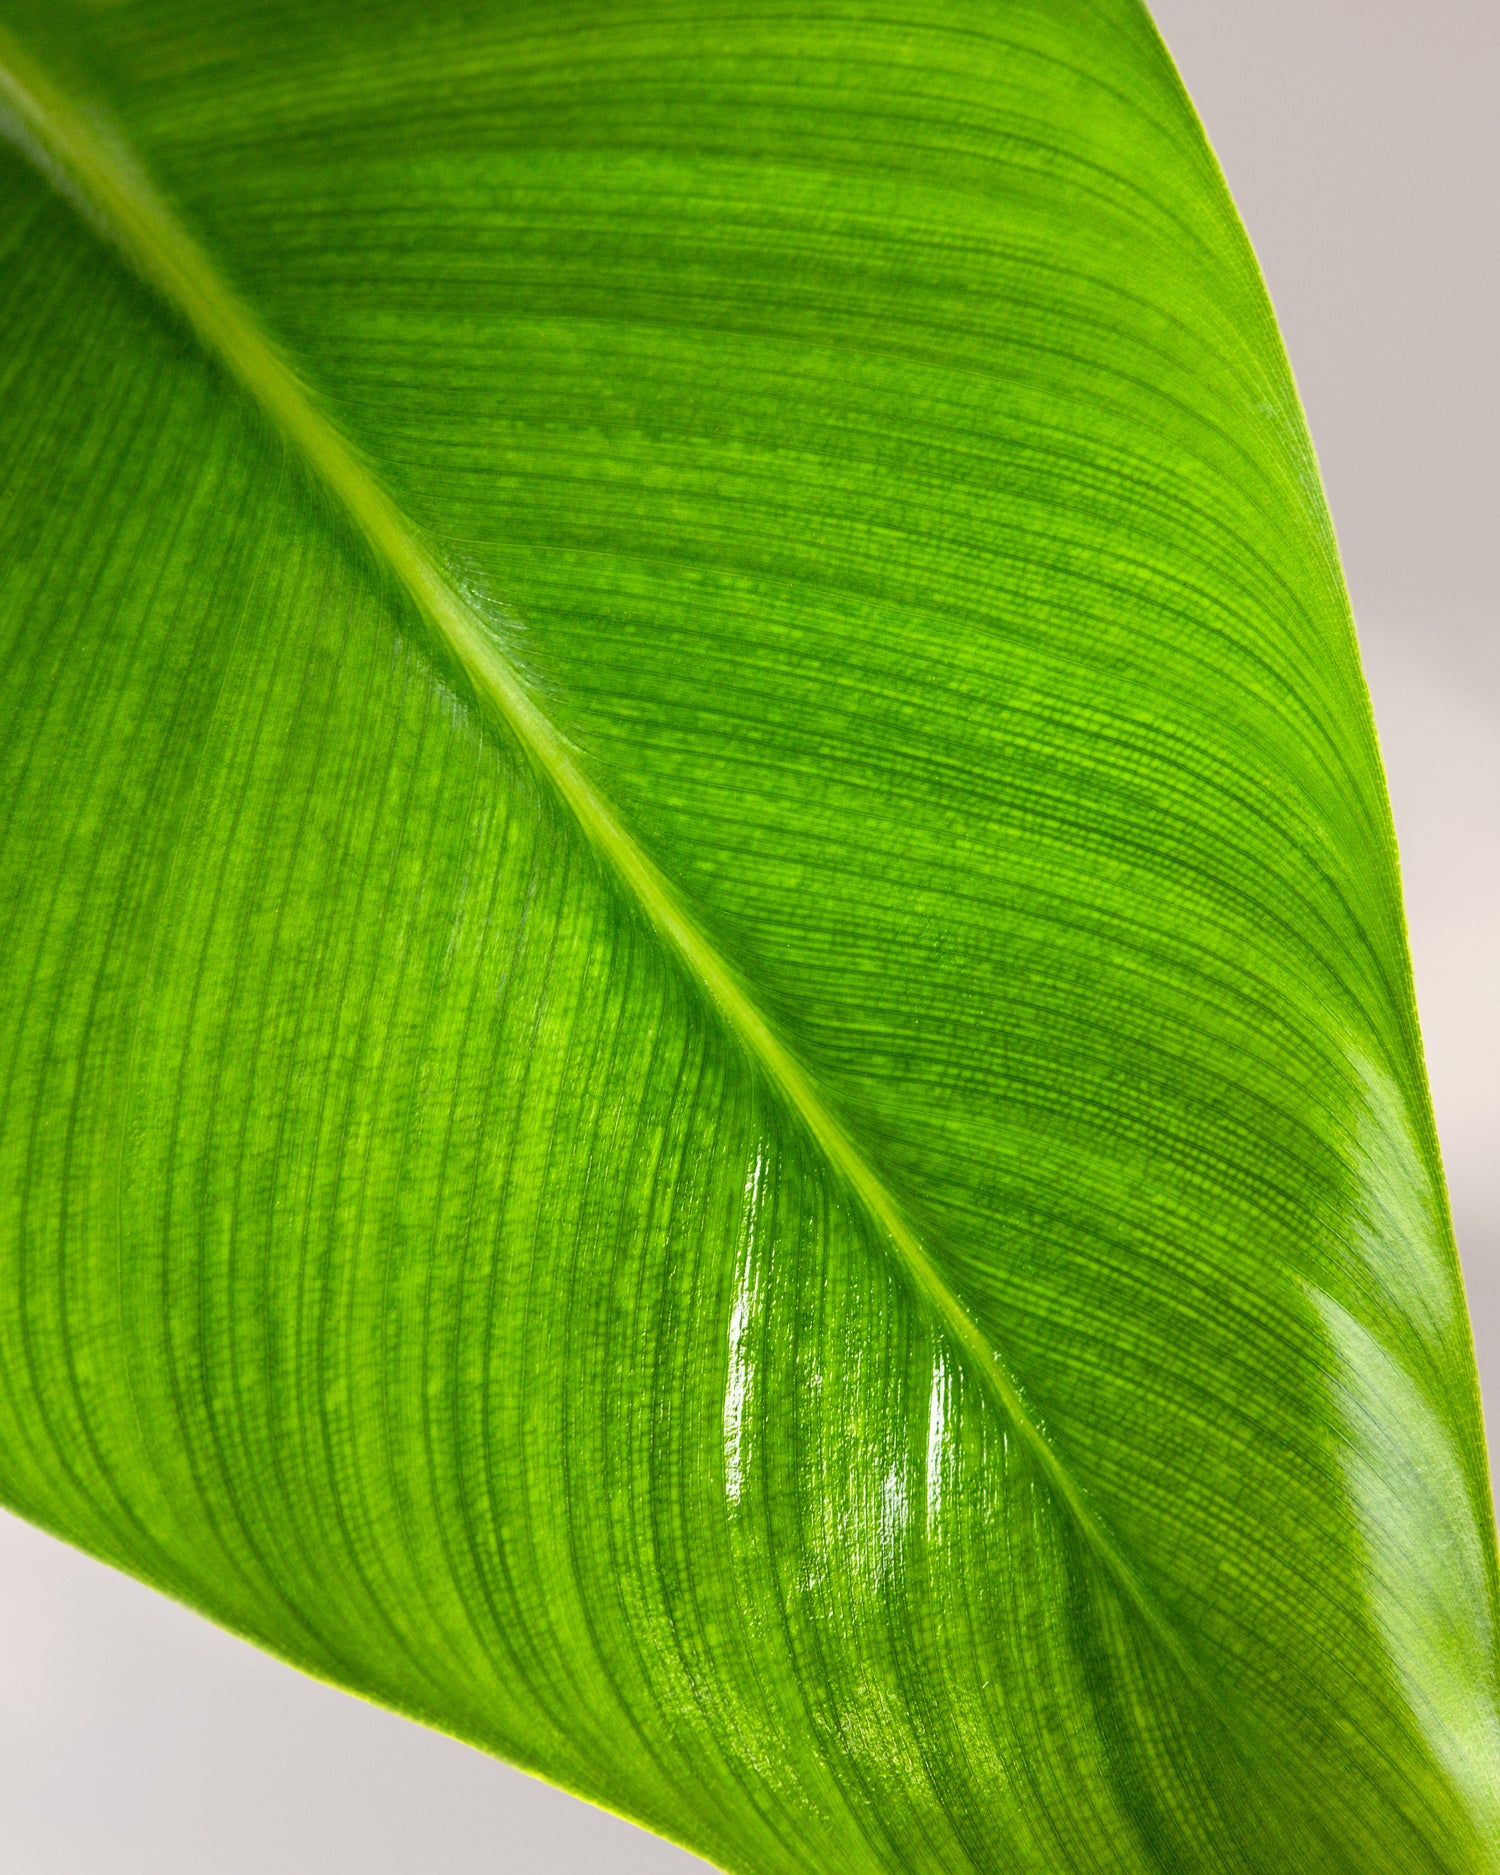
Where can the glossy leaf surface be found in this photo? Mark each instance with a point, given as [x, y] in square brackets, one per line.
[711, 1065]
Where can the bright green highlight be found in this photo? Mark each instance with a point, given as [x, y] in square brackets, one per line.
[152, 239]
[880, 430]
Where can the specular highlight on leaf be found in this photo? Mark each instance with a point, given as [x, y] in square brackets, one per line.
[881, 430]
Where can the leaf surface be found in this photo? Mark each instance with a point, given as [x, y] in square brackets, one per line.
[711, 1064]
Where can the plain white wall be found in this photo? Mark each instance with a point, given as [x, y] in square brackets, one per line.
[1362, 142]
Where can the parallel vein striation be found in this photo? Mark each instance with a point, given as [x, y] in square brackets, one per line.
[119, 200]
[435, 1251]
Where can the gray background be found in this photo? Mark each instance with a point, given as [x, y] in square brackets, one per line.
[1362, 140]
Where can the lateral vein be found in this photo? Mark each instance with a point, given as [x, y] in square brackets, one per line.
[93, 167]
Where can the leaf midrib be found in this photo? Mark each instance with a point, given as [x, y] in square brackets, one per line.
[99, 173]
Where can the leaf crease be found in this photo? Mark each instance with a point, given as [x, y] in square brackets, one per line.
[93, 167]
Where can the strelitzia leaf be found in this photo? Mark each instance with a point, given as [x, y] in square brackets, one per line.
[712, 1073]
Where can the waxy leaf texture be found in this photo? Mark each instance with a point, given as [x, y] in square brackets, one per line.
[710, 1065]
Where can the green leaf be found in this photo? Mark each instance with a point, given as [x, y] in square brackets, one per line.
[711, 1065]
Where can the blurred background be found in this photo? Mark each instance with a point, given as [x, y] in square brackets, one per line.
[1362, 141]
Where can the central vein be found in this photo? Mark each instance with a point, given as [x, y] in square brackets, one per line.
[95, 170]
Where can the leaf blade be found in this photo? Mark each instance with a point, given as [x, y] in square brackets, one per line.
[1290, 778]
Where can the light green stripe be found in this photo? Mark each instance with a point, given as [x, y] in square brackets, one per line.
[94, 168]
